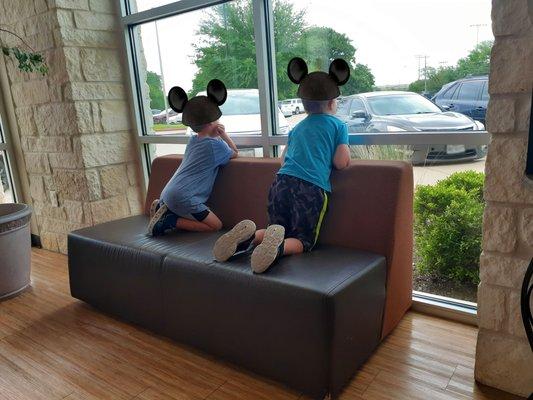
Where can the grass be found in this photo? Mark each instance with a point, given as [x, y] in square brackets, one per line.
[168, 127]
[382, 152]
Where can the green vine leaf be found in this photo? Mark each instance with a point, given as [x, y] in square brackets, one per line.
[28, 61]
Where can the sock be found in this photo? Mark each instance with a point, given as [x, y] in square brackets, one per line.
[281, 250]
[246, 245]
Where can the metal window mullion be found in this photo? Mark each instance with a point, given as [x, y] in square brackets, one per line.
[262, 15]
[167, 10]
[3, 146]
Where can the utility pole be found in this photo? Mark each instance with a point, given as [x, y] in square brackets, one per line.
[162, 73]
[425, 57]
[477, 26]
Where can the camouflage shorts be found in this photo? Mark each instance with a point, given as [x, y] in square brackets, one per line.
[299, 206]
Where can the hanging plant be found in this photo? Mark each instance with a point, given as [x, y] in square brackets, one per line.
[28, 61]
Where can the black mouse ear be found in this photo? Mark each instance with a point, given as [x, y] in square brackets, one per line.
[177, 98]
[339, 70]
[216, 91]
[297, 69]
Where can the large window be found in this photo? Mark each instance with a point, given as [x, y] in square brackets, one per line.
[417, 92]
[7, 194]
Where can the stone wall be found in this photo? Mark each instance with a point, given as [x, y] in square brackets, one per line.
[74, 123]
[503, 356]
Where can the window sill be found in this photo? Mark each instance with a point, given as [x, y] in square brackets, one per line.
[445, 307]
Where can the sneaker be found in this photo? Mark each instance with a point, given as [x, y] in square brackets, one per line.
[154, 207]
[270, 249]
[163, 220]
[236, 239]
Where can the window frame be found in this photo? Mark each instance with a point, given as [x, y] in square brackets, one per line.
[269, 140]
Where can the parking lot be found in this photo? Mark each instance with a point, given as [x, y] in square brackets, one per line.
[423, 175]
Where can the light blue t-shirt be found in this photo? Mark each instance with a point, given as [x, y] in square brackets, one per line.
[311, 147]
[192, 183]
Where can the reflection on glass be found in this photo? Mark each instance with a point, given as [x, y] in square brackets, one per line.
[6, 193]
[216, 42]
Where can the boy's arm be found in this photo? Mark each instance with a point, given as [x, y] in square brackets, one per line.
[224, 136]
[342, 157]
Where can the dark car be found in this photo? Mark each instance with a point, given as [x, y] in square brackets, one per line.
[468, 96]
[409, 112]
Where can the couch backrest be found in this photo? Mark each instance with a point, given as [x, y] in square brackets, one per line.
[371, 208]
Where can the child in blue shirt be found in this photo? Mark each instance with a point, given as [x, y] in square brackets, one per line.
[182, 203]
[298, 197]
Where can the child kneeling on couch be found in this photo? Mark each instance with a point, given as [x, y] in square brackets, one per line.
[298, 197]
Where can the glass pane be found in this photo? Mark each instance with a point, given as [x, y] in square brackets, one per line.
[188, 50]
[163, 149]
[6, 192]
[469, 90]
[399, 46]
[142, 5]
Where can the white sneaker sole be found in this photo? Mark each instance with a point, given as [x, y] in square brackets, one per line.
[226, 245]
[265, 254]
[153, 208]
[155, 219]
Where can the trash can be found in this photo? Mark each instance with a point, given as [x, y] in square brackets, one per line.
[15, 249]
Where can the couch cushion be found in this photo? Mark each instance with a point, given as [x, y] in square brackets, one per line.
[309, 321]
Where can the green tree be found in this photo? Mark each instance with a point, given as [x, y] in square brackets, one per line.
[476, 63]
[227, 49]
[157, 97]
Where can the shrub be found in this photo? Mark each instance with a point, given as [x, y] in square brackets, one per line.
[382, 152]
[448, 222]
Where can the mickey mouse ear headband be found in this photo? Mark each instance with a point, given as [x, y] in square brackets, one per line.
[199, 110]
[318, 85]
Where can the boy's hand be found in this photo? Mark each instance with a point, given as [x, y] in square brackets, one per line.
[221, 130]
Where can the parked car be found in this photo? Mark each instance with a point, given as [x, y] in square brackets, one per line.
[161, 118]
[241, 114]
[175, 119]
[468, 96]
[410, 112]
[291, 106]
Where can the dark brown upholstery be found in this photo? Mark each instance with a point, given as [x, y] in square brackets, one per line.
[371, 208]
[309, 322]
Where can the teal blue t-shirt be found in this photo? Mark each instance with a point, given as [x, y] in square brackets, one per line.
[311, 147]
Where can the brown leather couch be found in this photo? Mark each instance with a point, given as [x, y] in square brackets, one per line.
[310, 321]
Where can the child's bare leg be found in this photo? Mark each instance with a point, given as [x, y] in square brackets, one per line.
[259, 235]
[292, 246]
[211, 223]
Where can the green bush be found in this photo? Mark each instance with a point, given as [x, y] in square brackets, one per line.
[448, 221]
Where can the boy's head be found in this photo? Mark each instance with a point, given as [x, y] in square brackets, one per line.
[318, 90]
[209, 129]
[200, 110]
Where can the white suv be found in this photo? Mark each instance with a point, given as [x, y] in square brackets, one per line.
[291, 106]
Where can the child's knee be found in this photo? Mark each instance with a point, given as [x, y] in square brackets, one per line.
[216, 226]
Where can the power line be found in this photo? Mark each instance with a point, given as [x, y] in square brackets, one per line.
[425, 57]
[477, 26]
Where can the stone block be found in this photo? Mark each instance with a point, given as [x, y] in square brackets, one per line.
[114, 180]
[504, 362]
[110, 209]
[65, 160]
[49, 211]
[133, 174]
[46, 144]
[37, 163]
[62, 242]
[71, 4]
[501, 114]
[526, 226]
[71, 184]
[502, 270]
[510, 17]
[37, 24]
[49, 241]
[42, 41]
[25, 121]
[73, 64]
[104, 149]
[492, 307]
[523, 113]
[97, 117]
[37, 190]
[86, 38]
[65, 18]
[30, 93]
[56, 119]
[73, 210]
[84, 117]
[504, 169]
[94, 91]
[101, 64]
[95, 21]
[515, 325]
[105, 6]
[115, 116]
[40, 6]
[499, 229]
[135, 200]
[93, 184]
[511, 66]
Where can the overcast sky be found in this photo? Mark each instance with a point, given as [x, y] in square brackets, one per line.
[388, 34]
